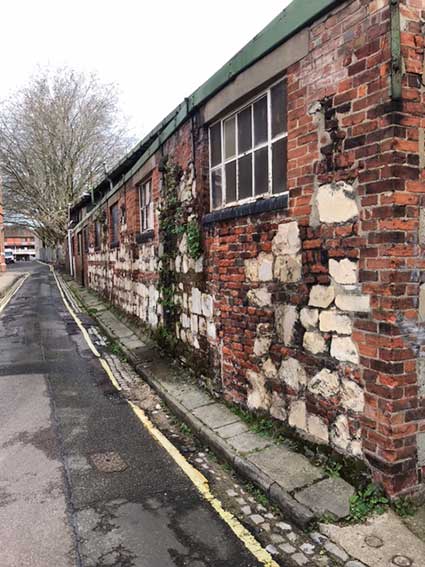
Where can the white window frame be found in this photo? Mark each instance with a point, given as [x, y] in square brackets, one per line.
[269, 143]
[146, 209]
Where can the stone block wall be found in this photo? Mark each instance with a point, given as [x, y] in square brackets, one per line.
[309, 311]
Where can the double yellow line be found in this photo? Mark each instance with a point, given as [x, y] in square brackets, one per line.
[197, 478]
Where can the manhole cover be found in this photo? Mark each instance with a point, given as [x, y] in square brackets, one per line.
[402, 561]
[108, 462]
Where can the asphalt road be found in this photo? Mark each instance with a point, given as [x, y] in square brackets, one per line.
[62, 424]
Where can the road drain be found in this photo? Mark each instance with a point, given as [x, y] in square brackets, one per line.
[114, 396]
[109, 462]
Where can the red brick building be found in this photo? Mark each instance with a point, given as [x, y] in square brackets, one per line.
[273, 227]
[22, 242]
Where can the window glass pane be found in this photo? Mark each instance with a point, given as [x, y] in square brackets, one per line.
[260, 121]
[215, 139]
[229, 138]
[279, 164]
[216, 189]
[244, 130]
[245, 177]
[261, 171]
[278, 94]
[231, 182]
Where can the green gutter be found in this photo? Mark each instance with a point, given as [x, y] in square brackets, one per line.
[396, 61]
[291, 20]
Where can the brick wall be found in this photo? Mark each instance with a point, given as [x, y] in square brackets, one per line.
[308, 313]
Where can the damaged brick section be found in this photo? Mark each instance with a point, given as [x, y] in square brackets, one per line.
[312, 313]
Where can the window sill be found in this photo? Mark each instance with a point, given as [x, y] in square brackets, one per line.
[142, 237]
[247, 209]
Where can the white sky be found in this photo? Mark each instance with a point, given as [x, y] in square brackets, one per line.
[157, 51]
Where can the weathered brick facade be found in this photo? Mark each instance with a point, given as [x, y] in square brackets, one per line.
[305, 306]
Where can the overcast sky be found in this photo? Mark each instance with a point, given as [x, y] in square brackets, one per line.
[157, 52]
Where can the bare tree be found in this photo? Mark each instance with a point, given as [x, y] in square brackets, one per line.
[55, 136]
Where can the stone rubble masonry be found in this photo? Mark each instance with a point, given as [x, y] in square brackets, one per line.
[313, 313]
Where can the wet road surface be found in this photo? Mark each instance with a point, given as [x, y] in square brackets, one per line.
[62, 427]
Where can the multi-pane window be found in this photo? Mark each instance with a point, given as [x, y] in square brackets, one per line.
[146, 206]
[115, 227]
[248, 150]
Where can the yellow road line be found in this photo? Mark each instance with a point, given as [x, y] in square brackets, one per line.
[15, 288]
[197, 478]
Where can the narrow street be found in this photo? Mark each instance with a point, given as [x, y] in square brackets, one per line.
[82, 483]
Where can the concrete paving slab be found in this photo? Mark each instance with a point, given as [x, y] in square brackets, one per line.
[215, 415]
[195, 399]
[288, 469]
[7, 279]
[248, 442]
[115, 327]
[416, 523]
[132, 342]
[397, 541]
[231, 430]
[329, 496]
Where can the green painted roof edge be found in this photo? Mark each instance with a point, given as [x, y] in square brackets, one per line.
[288, 22]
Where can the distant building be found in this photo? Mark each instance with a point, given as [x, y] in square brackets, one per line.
[23, 242]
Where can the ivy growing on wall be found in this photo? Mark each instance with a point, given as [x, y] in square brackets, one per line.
[174, 222]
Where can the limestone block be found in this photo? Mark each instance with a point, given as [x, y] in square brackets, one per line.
[354, 303]
[325, 383]
[309, 318]
[285, 318]
[288, 269]
[314, 342]
[318, 428]
[260, 268]
[420, 372]
[278, 408]
[321, 296]
[352, 396]
[293, 374]
[185, 320]
[183, 245]
[421, 312]
[202, 325]
[259, 297]
[298, 415]
[333, 321]
[421, 448]
[258, 396]
[340, 433]
[211, 331]
[194, 324]
[356, 448]
[263, 339]
[336, 203]
[344, 271]
[196, 304]
[269, 369]
[207, 305]
[287, 240]
[344, 349]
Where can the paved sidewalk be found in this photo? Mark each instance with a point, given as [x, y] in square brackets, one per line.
[301, 490]
[7, 280]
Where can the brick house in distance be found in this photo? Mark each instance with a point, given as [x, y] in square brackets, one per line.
[23, 242]
[2, 258]
[273, 227]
